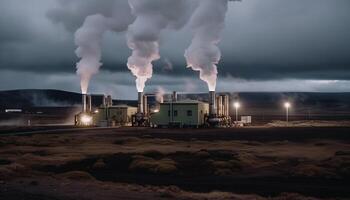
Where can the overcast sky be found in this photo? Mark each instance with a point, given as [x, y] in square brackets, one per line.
[267, 45]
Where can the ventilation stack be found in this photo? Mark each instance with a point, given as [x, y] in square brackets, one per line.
[84, 102]
[145, 105]
[140, 103]
[212, 104]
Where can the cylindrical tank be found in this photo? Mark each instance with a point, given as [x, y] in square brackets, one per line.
[226, 103]
[219, 106]
[212, 104]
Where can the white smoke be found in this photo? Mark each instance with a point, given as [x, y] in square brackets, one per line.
[152, 16]
[89, 37]
[203, 54]
[160, 94]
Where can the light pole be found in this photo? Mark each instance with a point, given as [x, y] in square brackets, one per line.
[287, 106]
[237, 105]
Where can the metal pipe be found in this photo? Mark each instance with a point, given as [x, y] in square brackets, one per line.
[174, 96]
[84, 102]
[140, 102]
[226, 107]
[145, 105]
[89, 103]
[109, 101]
[212, 103]
[219, 105]
[104, 101]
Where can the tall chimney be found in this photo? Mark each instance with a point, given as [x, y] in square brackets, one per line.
[212, 104]
[89, 103]
[145, 105]
[140, 102]
[84, 102]
[174, 96]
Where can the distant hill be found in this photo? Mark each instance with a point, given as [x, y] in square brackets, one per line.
[253, 103]
[271, 103]
[37, 98]
[48, 98]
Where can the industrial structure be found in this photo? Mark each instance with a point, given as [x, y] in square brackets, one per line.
[104, 115]
[193, 113]
[186, 113]
[219, 110]
[149, 112]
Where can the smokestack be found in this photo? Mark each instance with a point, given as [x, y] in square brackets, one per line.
[140, 102]
[212, 104]
[104, 101]
[84, 102]
[109, 102]
[145, 105]
[174, 96]
[89, 103]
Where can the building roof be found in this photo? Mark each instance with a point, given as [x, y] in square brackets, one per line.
[187, 101]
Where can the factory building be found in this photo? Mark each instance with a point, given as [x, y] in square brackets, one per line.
[186, 113]
[193, 113]
[120, 115]
[150, 112]
[106, 114]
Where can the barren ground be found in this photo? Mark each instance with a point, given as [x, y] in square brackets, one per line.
[145, 163]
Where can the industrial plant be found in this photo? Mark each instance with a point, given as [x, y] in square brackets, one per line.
[153, 112]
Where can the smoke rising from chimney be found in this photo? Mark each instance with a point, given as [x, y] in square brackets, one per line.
[89, 37]
[203, 54]
[152, 16]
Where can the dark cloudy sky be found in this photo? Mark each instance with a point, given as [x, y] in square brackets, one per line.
[267, 45]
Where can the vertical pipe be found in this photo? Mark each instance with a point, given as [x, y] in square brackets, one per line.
[212, 104]
[89, 103]
[226, 105]
[174, 96]
[140, 102]
[109, 101]
[145, 105]
[224, 109]
[84, 102]
[103, 101]
[220, 105]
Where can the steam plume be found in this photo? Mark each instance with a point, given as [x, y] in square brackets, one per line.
[203, 54]
[89, 37]
[152, 16]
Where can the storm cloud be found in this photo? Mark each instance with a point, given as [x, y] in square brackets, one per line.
[263, 41]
